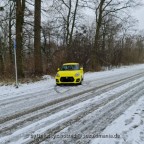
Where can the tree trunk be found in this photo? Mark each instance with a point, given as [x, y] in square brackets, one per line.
[19, 29]
[1, 60]
[94, 54]
[68, 22]
[37, 38]
[73, 23]
[10, 40]
[1, 65]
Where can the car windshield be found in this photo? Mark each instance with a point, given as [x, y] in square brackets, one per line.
[70, 67]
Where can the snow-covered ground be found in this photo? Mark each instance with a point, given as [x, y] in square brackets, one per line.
[108, 103]
[126, 129]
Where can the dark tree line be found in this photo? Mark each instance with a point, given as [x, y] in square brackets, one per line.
[50, 33]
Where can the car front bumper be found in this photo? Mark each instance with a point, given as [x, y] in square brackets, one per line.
[68, 80]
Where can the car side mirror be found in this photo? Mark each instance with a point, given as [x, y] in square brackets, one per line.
[58, 69]
[81, 68]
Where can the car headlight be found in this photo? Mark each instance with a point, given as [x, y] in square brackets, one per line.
[57, 75]
[77, 74]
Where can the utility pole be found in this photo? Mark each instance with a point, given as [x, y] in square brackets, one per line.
[15, 57]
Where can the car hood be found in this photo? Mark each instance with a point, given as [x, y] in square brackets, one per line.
[67, 73]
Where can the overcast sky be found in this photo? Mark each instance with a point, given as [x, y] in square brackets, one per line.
[139, 15]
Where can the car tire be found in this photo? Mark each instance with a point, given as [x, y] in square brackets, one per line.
[82, 78]
[80, 83]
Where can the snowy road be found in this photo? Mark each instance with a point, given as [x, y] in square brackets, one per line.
[46, 113]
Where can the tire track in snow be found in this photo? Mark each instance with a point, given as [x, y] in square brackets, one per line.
[108, 106]
[56, 101]
[101, 91]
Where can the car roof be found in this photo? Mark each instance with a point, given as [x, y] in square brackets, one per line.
[70, 63]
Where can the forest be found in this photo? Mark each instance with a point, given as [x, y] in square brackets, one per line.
[95, 33]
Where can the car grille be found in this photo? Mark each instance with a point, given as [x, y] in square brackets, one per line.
[66, 79]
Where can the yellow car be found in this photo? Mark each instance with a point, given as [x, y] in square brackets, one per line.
[69, 73]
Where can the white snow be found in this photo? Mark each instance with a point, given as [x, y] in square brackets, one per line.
[28, 88]
[47, 123]
[129, 126]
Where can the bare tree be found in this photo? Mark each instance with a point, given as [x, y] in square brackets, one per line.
[104, 8]
[1, 57]
[66, 36]
[37, 38]
[20, 8]
[67, 11]
[11, 23]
